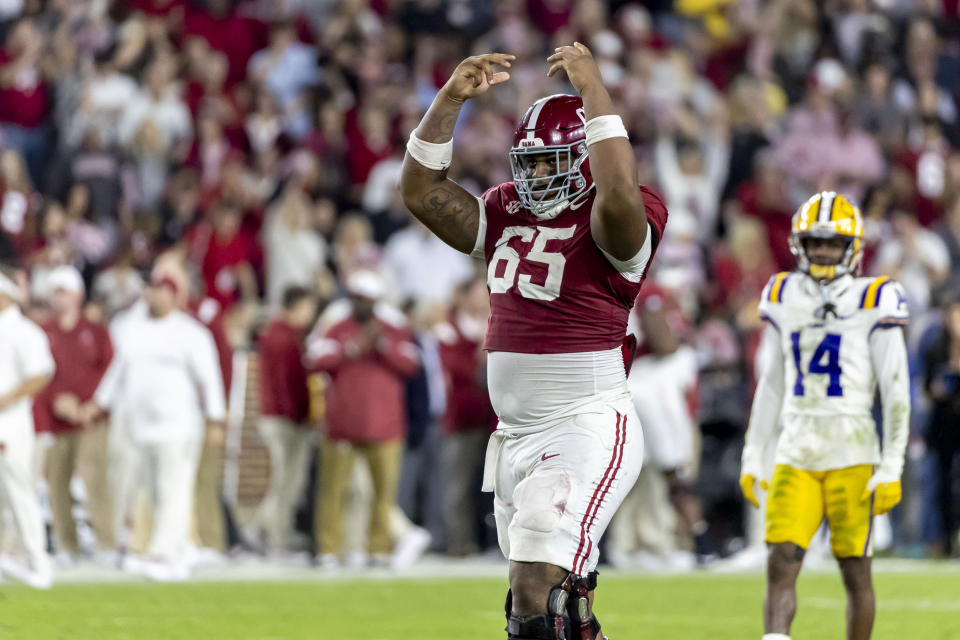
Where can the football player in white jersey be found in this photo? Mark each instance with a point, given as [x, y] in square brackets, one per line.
[832, 339]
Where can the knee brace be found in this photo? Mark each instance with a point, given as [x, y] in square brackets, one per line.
[552, 626]
[569, 616]
[584, 625]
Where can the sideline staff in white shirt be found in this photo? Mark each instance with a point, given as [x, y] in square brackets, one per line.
[26, 367]
[165, 379]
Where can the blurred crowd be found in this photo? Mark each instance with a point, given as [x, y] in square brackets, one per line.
[231, 164]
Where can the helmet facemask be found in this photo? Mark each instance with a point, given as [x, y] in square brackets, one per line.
[547, 196]
[849, 262]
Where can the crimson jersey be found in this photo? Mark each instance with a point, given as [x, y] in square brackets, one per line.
[552, 290]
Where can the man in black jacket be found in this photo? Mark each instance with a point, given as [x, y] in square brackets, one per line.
[942, 384]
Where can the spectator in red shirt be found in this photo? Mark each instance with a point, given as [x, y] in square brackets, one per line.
[222, 26]
[82, 351]
[766, 198]
[470, 416]
[369, 139]
[368, 358]
[285, 415]
[225, 261]
[742, 264]
[24, 102]
[206, 93]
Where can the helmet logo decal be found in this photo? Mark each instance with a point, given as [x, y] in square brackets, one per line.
[531, 141]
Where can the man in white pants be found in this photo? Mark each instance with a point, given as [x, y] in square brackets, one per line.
[662, 377]
[26, 367]
[567, 244]
[165, 378]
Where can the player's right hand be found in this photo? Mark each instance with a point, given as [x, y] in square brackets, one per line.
[475, 75]
[747, 483]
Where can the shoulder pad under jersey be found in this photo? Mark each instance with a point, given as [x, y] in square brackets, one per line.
[773, 296]
[886, 298]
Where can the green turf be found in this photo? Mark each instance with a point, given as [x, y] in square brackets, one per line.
[921, 606]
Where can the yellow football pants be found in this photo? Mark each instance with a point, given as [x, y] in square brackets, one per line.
[798, 500]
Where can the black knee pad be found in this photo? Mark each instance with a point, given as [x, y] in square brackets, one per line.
[555, 625]
[538, 627]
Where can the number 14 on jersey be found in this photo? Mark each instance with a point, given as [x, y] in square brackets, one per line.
[824, 361]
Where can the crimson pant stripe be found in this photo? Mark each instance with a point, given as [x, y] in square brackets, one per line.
[586, 515]
[603, 496]
[600, 493]
[619, 457]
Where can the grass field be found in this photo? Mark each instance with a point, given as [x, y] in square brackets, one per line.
[919, 604]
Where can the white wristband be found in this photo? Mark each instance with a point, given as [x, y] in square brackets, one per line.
[432, 155]
[603, 127]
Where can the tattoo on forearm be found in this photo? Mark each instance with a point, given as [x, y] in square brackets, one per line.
[449, 214]
[444, 205]
[447, 123]
[439, 123]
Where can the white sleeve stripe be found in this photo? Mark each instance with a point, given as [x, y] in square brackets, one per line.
[478, 246]
[633, 268]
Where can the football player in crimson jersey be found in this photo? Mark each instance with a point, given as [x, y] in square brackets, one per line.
[566, 244]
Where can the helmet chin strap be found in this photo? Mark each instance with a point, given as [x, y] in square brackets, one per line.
[554, 210]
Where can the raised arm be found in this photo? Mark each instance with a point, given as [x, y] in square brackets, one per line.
[618, 221]
[446, 208]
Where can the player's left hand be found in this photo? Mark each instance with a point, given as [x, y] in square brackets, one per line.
[747, 486]
[888, 492]
[579, 65]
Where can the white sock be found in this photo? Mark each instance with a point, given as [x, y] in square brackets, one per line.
[775, 636]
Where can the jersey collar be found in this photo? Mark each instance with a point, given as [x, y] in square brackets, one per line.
[831, 290]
